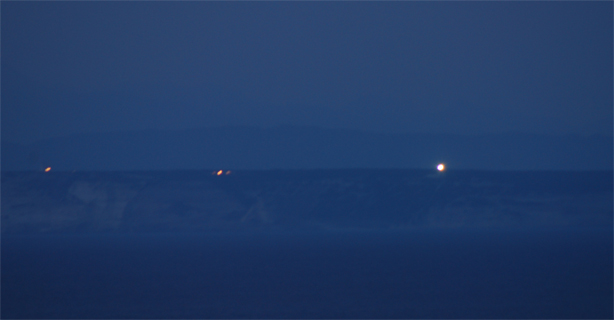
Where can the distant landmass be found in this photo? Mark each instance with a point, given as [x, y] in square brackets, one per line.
[196, 201]
[249, 148]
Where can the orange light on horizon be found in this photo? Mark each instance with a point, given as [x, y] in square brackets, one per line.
[219, 173]
[47, 169]
[441, 167]
[228, 172]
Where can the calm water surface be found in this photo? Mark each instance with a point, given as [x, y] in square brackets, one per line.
[554, 273]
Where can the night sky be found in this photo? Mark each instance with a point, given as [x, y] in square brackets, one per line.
[399, 67]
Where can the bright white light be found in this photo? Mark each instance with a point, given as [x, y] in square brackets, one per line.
[441, 167]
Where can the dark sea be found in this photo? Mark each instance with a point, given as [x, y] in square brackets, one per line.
[386, 244]
[503, 273]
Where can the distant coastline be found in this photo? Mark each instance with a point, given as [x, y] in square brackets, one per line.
[196, 201]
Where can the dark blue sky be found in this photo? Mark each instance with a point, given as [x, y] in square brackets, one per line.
[438, 67]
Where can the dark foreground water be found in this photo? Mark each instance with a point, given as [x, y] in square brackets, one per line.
[523, 273]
